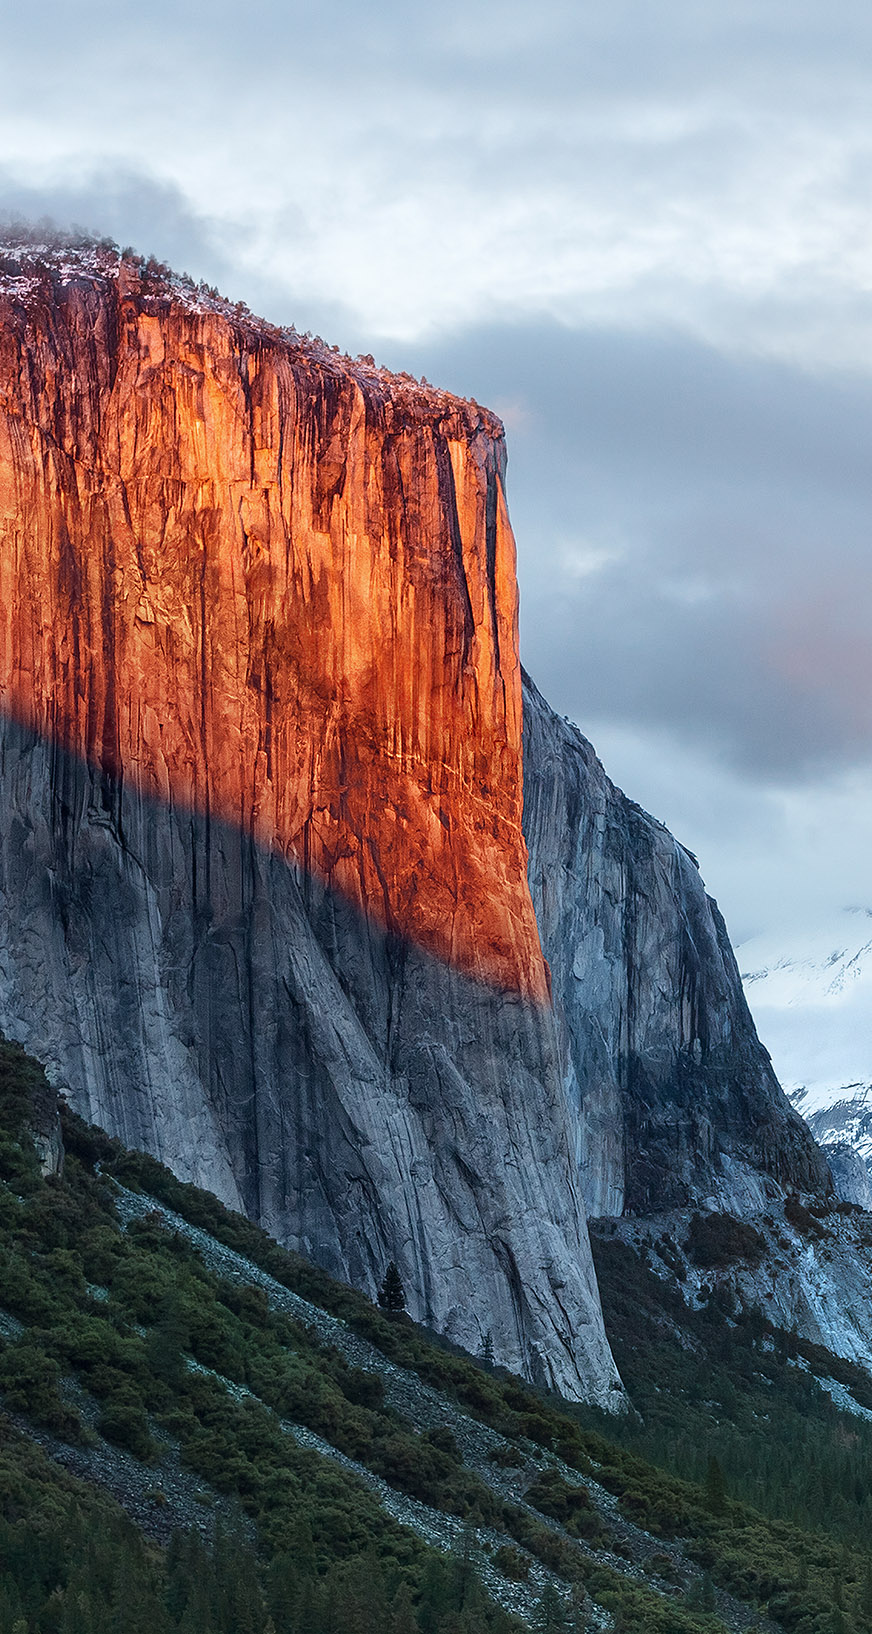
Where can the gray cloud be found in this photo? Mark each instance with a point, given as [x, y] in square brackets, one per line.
[693, 537]
[642, 235]
[127, 205]
[424, 166]
[155, 217]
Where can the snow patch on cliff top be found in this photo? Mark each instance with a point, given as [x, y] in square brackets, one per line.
[26, 259]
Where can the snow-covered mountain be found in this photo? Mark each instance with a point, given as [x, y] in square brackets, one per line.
[811, 997]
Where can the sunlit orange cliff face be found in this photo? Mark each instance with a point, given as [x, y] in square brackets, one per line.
[272, 585]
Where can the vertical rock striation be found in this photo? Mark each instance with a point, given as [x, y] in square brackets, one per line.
[274, 588]
[676, 1097]
[263, 895]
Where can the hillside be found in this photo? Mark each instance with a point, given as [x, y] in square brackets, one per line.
[292, 1458]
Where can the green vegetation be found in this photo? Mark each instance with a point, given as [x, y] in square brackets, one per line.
[127, 1336]
[721, 1382]
[724, 1405]
[717, 1240]
[571, 1505]
[312, 1550]
[72, 1563]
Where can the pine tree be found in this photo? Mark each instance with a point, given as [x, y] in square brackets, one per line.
[166, 1342]
[463, 1568]
[402, 1618]
[302, 1548]
[311, 1605]
[551, 1611]
[579, 1609]
[839, 1585]
[436, 1597]
[392, 1294]
[715, 1487]
[358, 1600]
[701, 1595]
[487, 1349]
[177, 1585]
[283, 1590]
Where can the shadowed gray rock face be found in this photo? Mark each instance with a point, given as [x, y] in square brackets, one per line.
[676, 1098]
[205, 1001]
[208, 1002]
[850, 1174]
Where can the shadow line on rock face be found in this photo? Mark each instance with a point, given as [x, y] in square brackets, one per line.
[274, 586]
[210, 1002]
[389, 885]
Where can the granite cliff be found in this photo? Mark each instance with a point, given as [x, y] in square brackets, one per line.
[264, 900]
[677, 1099]
[264, 905]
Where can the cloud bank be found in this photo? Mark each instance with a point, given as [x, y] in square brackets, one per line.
[642, 235]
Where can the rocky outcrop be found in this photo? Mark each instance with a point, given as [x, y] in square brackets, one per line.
[676, 1097]
[808, 1273]
[850, 1174]
[263, 896]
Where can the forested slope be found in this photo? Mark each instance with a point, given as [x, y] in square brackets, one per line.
[205, 1432]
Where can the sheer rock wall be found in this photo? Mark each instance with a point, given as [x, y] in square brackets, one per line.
[264, 899]
[263, 895]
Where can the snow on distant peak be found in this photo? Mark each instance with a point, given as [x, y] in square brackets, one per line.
[825, 960]
[811, 997]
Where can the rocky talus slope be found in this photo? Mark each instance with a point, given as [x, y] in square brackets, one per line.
[177, 1358]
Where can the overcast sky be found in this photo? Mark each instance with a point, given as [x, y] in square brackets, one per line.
[642, 234]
